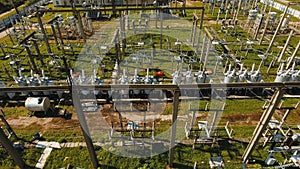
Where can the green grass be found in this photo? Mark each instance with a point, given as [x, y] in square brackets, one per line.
[30, 157]
[185, 156]
[75, 156]
[242, 114]
[242, 106]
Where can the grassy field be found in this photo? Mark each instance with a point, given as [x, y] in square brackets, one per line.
[243, 114]
[242, 118]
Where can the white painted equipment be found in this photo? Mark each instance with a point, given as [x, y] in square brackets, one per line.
[37, 104]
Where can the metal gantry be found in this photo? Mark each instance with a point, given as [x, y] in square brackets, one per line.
[176, 92]
[263, 122]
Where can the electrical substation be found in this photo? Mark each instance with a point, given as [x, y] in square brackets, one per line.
[150, 84]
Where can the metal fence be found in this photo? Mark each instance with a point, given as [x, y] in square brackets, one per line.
[281, 7]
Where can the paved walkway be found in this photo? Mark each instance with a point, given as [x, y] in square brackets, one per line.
[43, 158]
[73, 144]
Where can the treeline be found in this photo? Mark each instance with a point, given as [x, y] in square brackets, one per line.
[6, 5]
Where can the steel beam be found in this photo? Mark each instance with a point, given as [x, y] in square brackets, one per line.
[121, 9]
[262, 124]
[258, 27]
[84, 127]
[264, 31]
[293, 56]
[45, 37]
[8, 128]
[173, 127]
[5, 142]
[285, 46]
[277, 29]
[168, 87]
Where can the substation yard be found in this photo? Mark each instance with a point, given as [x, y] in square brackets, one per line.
[151, 89]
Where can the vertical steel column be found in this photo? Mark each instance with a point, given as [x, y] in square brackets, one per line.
[8, 128]
[258, 28]
[263, 122]
[2, 49]
[193, 30]
[237, 14]
[54, 35]
[81, 26]
[43, 32]
[60, 37]
[277, 29]
[77, 15]
[285, 46]
[173, 127]
[293, 56]
[36, 46]
[161, 27]
[200, 31]
[5, 142]
[84, 127]
[31, 57]
[16, 8]
[264, 31]
[113, 4]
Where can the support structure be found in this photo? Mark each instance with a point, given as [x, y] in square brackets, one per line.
[8, 128]
[277, 29]
[293, 56]
[24, 42]
[258, 27]
[262, 124]
[5, 142]
[84, 128]
[265, 30]
[45, 37]
[173, 127]
[285, 46]
[76, 13]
